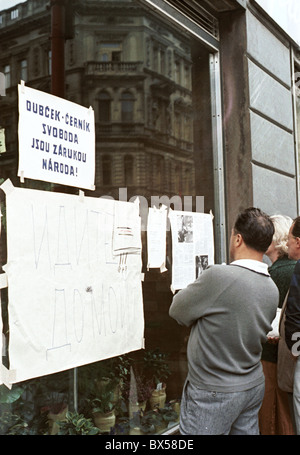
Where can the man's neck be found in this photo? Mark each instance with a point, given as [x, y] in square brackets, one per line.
[247, 253]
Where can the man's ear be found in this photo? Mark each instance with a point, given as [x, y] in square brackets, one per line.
[239, 240]
[298, 242]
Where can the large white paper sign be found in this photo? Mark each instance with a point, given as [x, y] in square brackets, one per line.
[192, 246]
[56, 140]
[71, 300]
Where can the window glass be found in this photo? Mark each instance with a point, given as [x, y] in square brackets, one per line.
[106, 170]
[127, 103]
[148, 82]
[23, 66]
[128, 170]
[104, 107]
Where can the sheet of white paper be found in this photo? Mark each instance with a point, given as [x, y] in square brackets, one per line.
[56, 139]
[127, 230]
[156, 237]
[192, 246]
[70, 302]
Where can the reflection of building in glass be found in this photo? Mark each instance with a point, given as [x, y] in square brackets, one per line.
[134, 69]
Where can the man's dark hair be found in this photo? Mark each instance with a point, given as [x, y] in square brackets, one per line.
[256, 228]
[296, 227]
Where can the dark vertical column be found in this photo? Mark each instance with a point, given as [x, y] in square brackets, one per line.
[58, 47]
[236, 114]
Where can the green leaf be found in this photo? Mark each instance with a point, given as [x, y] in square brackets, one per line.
[10, 396]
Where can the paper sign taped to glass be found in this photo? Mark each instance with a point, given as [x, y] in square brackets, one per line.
[56, 139]
[192, 246]
[71, 300]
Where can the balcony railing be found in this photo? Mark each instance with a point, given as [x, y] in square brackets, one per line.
[96, 68]
[138, 129]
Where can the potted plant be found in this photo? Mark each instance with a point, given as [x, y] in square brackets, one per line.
[152, 422]
[76, 424]
[106, 376]
[169, 415]
[55, 413]
[175, 405]
[103, 411]
[136, 392]
[157, 368]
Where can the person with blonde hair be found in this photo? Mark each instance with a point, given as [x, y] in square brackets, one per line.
[275, 416]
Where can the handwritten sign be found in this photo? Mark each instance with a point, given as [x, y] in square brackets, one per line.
[72, 300]
[56, 140]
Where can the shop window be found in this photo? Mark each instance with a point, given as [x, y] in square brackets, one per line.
[143, 387]
[127, 105]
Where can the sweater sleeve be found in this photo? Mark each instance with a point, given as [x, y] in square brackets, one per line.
[292, 321]
[189, 304]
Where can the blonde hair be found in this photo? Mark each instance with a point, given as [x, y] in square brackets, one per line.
[282, 226]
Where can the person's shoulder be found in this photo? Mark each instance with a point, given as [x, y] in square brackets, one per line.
[219, 269]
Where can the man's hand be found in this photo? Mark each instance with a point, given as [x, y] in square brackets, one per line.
[273, 340]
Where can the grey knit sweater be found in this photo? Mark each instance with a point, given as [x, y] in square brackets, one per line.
[230, 310]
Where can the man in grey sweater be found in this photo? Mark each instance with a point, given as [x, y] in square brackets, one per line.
[230, 309]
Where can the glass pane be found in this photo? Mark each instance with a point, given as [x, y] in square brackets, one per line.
[148, 82]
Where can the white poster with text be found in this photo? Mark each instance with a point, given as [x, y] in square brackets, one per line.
[56, 140]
